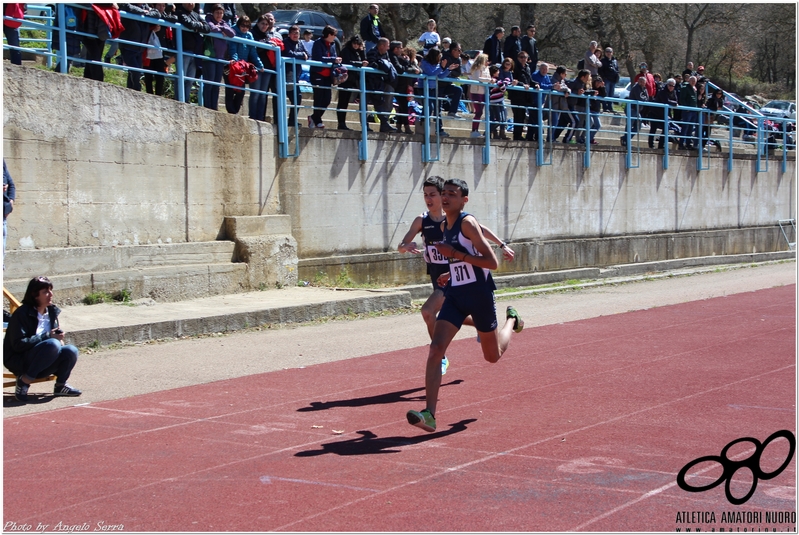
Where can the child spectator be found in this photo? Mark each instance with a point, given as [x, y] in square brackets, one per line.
[240, 51]
[215, 54]
[430, 38]
[307, 41]
[497, 103]
[479, 73]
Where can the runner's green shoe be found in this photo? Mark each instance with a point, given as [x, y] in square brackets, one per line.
[513, 313]
[422, 419]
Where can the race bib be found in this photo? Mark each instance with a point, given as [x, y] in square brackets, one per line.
[461, 273]
[434, 256]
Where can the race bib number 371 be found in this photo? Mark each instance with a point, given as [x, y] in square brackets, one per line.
[461, 273]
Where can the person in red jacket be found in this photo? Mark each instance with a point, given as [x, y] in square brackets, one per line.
[651, 88]
[11, 30]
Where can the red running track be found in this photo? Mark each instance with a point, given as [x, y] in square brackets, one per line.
[581, 426]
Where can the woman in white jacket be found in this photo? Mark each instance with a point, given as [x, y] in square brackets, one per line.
[479, 73]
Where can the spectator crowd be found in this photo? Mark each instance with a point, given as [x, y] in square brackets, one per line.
[508, 65]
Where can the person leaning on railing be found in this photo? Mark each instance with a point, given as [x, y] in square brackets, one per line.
[668, 96]
[193, 44]
[352, 54]
[215, 51]
[264, 32]
[293, 48]
[246, 52]
[160, 59]
[402, 63]
[324, 51]
[434, 67]
[136, 31]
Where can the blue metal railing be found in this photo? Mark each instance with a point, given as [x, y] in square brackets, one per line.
[764, 138]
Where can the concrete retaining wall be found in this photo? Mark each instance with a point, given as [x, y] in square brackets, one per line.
[100, 165]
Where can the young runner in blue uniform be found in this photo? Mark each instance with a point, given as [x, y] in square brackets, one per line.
[429, 224]
[470, 293]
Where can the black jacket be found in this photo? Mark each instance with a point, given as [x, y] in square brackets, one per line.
[135, 30]
[193, 41]
[530, 45]
[10, 194]
[519, 96]
[368, 30]
[513, 45]
[493, 49]
[609, 71]
[21, 335]
[351, 56]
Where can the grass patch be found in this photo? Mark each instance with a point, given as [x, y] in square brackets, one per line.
[95, 298]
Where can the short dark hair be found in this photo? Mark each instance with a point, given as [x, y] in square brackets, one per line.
[435, 181]
[498, 30]
[514, 28]
[458, 183]
[214, 7]
[244, 20]
[36, 285]
[294, 28]
[433, 56]
[329, 30]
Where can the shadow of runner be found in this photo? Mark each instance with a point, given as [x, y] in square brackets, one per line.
[369, 443]
[390, 397]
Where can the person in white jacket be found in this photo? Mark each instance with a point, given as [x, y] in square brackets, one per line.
[478, 73]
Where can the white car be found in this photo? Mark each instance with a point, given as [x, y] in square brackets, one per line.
[780, 108]
[623, 88]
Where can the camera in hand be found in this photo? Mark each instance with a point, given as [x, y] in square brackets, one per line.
[59, 331]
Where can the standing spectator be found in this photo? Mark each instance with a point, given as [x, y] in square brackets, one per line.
[448, 89]
[215, 60]
[430, 38]
[138, 32]
[292, 48]
[230, 15]
[160, 59]
[497, 103]
[89, 23]
[240, 51]
[580, 86]
[193, 44]
[590, 62]
[609, 71]
[9, 195]
[700, 72]
[434, 67]
[371, 28]
[445, 44]
[701, 102]
[324, 50]
[668, 96]
[493, 46]
[264, 32]
[530, 45]
[34, 343]
[521, 99]
[598, 88]
[382, 84]
[479, 73]
[308, 41]
[513, 45]
[73, 40]
[561, 117]
[643, 72]
[11, 30]
[637, 112]
[715, 104]
[689, 98]
[352, 54]
[402, 64]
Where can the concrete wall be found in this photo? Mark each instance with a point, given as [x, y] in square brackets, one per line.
[96, 164]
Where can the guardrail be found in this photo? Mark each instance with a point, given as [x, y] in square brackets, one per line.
[764, 134]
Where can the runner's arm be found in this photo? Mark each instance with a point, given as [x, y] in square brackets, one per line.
[407, 245]
[471, 230]
[507, 252]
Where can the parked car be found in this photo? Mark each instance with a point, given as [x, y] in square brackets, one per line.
[780, 108]
[623, 87]
[306, 20]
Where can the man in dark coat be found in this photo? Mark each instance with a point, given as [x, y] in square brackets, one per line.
[371, 28]
[493, 46]
[138, 32]
[513, 44]
[530, 45]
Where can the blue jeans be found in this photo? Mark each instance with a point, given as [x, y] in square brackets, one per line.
[595, 124]
[687, 133]
[49, 356]
[12, 36]
[610, 89]
[496, 112]
[5, 233]
[212, 71]
[190, 71]
[133, 58]
[258, 101]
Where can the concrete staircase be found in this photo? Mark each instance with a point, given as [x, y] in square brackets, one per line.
[164, 272]
[259, 254]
